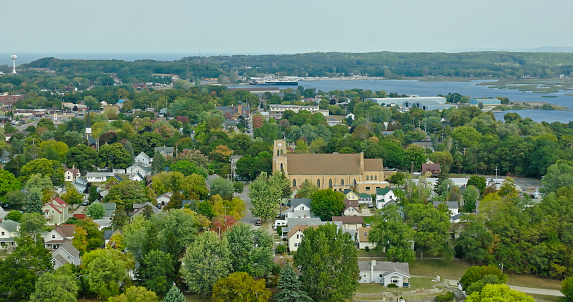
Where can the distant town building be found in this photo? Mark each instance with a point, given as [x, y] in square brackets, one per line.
[277, 111]
[7, 101]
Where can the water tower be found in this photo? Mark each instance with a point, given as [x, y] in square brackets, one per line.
[14, 57]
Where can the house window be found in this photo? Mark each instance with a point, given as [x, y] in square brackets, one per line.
[367, 177]
[342, 182]
[294, 182]
[2, 233]
[367, 188]
[302, 208]
[380, 276]
[375, 177]
[330, 183]
[297, 236]
[53, 236]
[318, 183]
[296, 244]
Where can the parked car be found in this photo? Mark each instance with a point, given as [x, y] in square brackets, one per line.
[85, 203]
[258, 222]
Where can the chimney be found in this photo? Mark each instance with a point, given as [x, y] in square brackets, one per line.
[372, 265]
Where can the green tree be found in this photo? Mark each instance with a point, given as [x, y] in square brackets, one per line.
[94, 235]
[432, 228]
[157, 271]
[498, 292]
[470, 196]
[15, 200]
[20, 270]
[479, 285]
[188, 168]
[478, 182]
[135, 294]
[72, 196]
[167, 182]
[80, 240]
[93, 194]
[174, 295]
[334, 275]
[126, 193]
[50, 168]
[476, 273]
[175, 202]
[239, 287]
[567, 288]
[327, 203]
[560, 174]
[34, 201]
[251, 250]
[207, 260]
[60, 286]
[39, 182]
[194, 187]
[105, 270]
[264, 197]
[222, 187]
[392, 235]
[290, 287]
[306, 189]
[8, 183]
[114, 156]
[31, 224]
[96, 210]
[474, 241]
[82, 157]
[159, 162]
[14, 216]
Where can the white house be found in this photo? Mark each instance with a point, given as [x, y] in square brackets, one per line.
[349, 222]
[452, 206]
[143, 158]
[384, 272]
[384, 196]
[98, 176]
[351, 208]
[164, 198]
[138, 168]
[65, 254]
[58, 236]
[71, 174]
[300, 208]
[362, 239]
[364, 198]
[8, 231]
[295, 236]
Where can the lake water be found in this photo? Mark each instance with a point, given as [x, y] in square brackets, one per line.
[471, 88]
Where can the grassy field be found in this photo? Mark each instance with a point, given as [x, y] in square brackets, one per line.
[455, 270]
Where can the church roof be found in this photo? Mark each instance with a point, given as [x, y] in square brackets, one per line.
[328, 164]
[373, 164]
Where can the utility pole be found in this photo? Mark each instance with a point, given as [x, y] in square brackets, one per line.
[496, 169]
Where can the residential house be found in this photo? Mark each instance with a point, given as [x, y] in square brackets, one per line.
[293, 222]
[364, 198]
[362, 239]
[452, 206]
[103, 223]
[165, 151]
[109, 209]
[429, 169]
[384, 273]
[66, 254]
[384, 196]
[81, 184]
[351, 195]
[164, 198]
[56, 211]
[71, 174]
[300, 208]
[349, 222]
[8, 232]
[138, 209]
[295, 236]
[138, 170]
[58, 236]
[6, 157]
[143, 158]
[3, 213]
[98, 176]
[351, 208]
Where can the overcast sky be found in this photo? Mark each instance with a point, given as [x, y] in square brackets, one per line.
[271, 26]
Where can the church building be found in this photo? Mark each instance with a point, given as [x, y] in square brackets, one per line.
[336, 171]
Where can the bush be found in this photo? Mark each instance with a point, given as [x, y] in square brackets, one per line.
[392, 285]
[281, 248]
[448, 296]
[367, 249]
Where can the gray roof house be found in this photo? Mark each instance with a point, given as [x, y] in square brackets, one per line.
[109, 209]
[384, 272]
[8, 231]
[165, 151]
[65, 254]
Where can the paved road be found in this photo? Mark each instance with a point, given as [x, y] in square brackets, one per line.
[538, 291]
[527, 290]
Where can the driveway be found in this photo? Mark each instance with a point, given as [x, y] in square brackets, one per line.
[538, 291]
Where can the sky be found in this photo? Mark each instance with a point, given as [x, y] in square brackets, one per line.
[278, 27]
